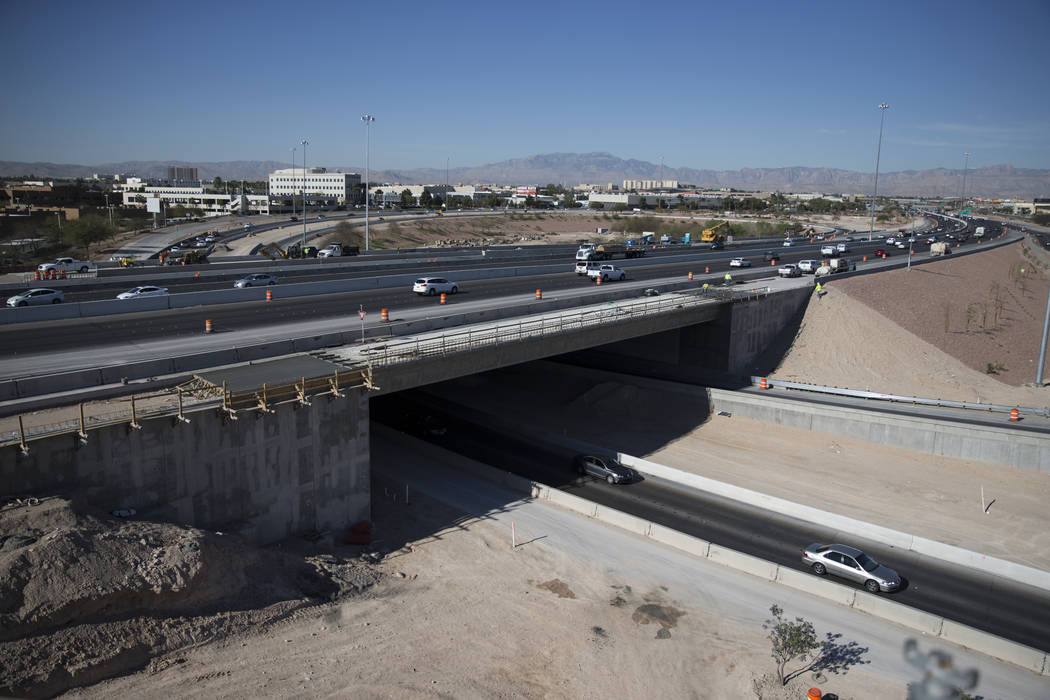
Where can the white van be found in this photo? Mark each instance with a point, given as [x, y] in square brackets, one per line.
[808, 266]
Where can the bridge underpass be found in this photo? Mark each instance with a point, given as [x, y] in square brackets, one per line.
[277, 448]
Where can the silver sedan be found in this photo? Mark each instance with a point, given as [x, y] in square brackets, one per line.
[851, 563]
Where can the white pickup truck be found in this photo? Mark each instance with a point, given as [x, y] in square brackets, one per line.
[66, 265]
[606, 273]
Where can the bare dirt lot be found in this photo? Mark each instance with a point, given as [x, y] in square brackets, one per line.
[168, 610]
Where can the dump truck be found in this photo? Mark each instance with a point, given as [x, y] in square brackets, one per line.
[608, 251]
[940, 248]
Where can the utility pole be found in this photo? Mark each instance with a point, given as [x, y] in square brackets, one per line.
[367, 119]
[962, 197]
[292, 149]
[302, 250]
[878, 154]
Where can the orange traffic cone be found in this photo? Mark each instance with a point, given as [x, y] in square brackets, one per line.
[1015, 415]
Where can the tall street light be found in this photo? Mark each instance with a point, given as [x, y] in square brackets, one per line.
[367, 119]
[878, 154]
[292, 149]
[962, 197]
[302, 248]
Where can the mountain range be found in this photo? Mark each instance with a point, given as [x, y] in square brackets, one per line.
[994, 181]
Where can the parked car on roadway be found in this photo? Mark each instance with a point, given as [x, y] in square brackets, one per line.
[808, 266]
[434, 285]
[36, 297]
[605, 467]
[851, 563]
[789, 271]
[739, 262]
[259, 279]
[147, 290]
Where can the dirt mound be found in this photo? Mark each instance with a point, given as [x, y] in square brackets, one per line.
[86, 595]
[924, 332]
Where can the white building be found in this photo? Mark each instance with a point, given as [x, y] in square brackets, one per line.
[136, 192]
[321, 186]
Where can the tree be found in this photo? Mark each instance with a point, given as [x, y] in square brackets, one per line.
[425, 199]
[216, 184]
[791, 640]
[407, 200]
[87, 230]
[568, 200]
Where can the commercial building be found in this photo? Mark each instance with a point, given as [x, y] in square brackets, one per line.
[323, 189]
[137, 192]
[180, 174]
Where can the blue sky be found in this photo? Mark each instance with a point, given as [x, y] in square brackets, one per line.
[723, 86]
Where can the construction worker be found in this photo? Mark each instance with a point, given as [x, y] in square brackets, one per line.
[706, 285]
[729, 279]
[820, 290]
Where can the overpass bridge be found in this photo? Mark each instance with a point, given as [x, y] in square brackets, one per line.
[277, 447]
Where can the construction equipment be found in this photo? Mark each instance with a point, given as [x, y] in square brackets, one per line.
[713, 235]
[194, 256]
[128, 261]
[274, 251]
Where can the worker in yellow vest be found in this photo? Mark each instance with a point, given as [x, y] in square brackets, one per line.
[729, 279]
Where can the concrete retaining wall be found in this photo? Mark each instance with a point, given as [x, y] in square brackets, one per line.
[987, 444]
[265, 476]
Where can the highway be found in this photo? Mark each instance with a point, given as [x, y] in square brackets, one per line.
[1009, 610]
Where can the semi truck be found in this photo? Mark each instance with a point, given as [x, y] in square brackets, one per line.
[608, 251]
[940, 248]
[978, 232]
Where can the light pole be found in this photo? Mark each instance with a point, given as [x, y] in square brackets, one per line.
[367, 119]
[446, 183]
[302, 252]
[962, 197]
[292, 149]
[878, 154]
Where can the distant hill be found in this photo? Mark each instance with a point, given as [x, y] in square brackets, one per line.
[601, 168]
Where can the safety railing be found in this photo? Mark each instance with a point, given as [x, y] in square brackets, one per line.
[896, 398]
[454, 342]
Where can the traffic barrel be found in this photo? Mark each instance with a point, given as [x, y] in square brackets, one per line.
[443, 299]
[763, 384]
[36, 275]
[707, 269]
[865, 258]
[773, 262]
[690, 276]
[813, 694]
[1015, 415]
[598, 280]
[269, 295]
[207, 325]
[539, 294]
[384, 315]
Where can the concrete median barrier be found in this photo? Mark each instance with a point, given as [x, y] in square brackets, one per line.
[815, 585]
[679, 540]
[742, 562]
[573, 503]
[624, 521]
[1018, 654]
[885, 608]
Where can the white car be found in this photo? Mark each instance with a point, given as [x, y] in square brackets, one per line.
[36, 297]
[788, 243]
[434, 285]
[583, 267]
[144, 291]
[739, 262]
[827, 250]
[891, 240]
[789, 271]
[842, 248]
[809, 267]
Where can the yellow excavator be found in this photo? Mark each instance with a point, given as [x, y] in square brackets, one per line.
[713, 235]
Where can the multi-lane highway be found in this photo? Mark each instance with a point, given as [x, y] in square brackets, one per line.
[1001, 607]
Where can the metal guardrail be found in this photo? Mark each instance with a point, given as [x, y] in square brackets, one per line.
[896, 398]
[393, 353]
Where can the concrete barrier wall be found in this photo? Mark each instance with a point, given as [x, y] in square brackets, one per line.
[875, 605]
[983, 443]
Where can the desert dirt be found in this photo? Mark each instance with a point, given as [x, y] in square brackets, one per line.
[163, 609]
